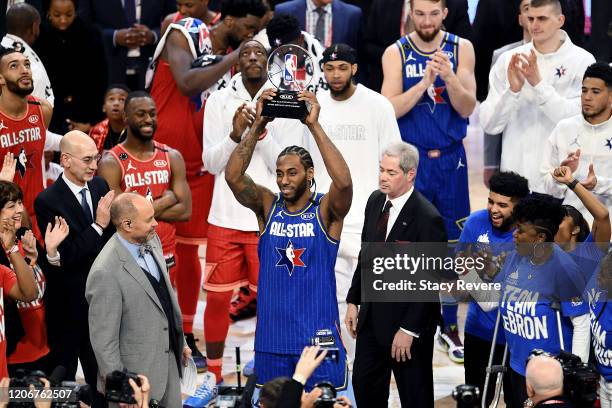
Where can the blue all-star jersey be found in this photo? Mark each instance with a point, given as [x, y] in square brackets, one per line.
[432, 123]
[296, 297]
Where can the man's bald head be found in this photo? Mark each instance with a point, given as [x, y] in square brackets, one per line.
[124, 207]
[22, 20]
[75, 140]
[134, 217]
[544, 376]
[79, 157]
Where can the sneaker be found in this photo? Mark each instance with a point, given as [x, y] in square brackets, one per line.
[249, 368]
[198, 358]
[448, 340]
[244, 305]
[202, 397]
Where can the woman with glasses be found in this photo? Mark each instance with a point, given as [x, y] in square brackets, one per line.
[540, 282]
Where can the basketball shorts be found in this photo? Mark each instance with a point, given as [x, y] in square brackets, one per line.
[195, 230]
[232, 259]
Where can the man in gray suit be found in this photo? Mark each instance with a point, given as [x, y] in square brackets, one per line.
[132, 305]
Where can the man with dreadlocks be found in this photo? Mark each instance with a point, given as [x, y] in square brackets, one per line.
[298, 245]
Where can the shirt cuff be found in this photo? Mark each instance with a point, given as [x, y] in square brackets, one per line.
[413, 334]
[115, 38]
[54, 260]
[97, 228]
[155, 37]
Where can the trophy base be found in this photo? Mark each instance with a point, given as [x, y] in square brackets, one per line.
[285, 105]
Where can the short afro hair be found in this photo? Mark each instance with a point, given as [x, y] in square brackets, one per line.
[599, 70]
[509, 184]
[242, 8]
[541, 211]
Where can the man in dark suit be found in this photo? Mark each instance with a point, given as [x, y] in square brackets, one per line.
[130, 30]
[340, 22]
[384, 27]
[395, 337]
[84, 202]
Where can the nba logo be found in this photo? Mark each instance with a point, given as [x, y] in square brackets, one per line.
[290, 67]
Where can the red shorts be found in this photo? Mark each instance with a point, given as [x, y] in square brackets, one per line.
[232, 259]
[195, 230]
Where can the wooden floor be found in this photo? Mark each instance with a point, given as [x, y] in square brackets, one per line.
[447, 374]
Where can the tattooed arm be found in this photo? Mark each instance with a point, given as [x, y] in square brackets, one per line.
[258, 198]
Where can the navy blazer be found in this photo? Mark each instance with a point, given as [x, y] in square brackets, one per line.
[346, 20]
[109, 16]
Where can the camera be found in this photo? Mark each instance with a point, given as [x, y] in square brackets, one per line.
[579, 380]
[466, 396]
[328, 395]
[118, 388]
[24, 378]
[80, 392]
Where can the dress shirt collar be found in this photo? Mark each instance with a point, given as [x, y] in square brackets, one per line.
[76, 190]
[310, 6]
[398, 202]
[130, 246]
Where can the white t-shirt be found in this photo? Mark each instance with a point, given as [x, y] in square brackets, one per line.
[360, 127]
[225, 210]
[42, 85]
[528, 117]
[595, 144]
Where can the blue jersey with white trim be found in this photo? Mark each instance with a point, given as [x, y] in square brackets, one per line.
[296, 297]
[432, 123]
[601, 324]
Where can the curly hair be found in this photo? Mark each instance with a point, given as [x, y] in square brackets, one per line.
[541, 211]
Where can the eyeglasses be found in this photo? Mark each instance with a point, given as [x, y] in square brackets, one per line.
[87, 159]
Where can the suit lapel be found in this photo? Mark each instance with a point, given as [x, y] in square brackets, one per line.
[405, 218]
[71, 201]
[130, 265]
[377, 207]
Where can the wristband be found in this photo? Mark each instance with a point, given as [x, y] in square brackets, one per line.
[263, 135]
[299, 379]
[101, 227]
[571, 185]
[14, 248]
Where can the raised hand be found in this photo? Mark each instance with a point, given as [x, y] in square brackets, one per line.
[313, 107]
[7, 173]
[572, 160]
[55, 235]
[309, 361]
[266, 95]
[28, 243]
[516, 79]
[563, 175]
[591, 181]
[529, 68]
[8, 234]
[430, 75]
[243, 118]
[103, 210]
[441, 65]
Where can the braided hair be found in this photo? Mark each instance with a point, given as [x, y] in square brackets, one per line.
[306, 160]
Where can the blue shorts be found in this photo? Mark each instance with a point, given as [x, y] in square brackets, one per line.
[269, 366]
[442, 178]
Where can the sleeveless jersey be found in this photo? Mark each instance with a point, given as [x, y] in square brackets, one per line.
[33, 345]
[150, 178]
[432, 123]
[179, 118]
[296, 295]
[25, 138]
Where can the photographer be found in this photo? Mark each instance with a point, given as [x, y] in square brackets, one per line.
[544, 380]
[286, 393]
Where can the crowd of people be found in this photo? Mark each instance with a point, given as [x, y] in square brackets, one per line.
[132, 134]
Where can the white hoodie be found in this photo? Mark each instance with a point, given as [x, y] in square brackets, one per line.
[595, 144]
[527, 118]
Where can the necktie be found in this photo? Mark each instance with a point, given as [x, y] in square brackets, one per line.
[86, 207]
[129, 8]
[144, 249]
[381, 224]
[320, 27]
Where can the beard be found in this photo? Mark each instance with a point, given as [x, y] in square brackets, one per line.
[506, 223]
[138, 134]
[428, 37]
[16, 89]
[342, 90]
[299, 192]
[593, 114]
